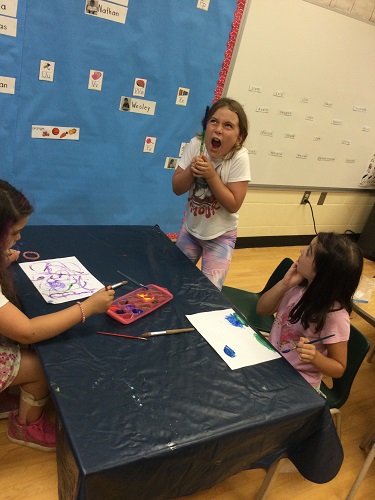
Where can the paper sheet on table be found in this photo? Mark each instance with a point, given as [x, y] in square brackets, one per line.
[365, 290]
[61, 280]
[236, 342]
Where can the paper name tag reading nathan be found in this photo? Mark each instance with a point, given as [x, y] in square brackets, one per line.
[107, 10]
[7, 85]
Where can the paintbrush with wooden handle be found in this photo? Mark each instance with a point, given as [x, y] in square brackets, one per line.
[166, 332]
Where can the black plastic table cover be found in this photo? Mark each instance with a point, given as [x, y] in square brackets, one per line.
[167, 417]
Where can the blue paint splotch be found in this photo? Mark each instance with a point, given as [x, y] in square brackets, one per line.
[229, 351]
[235, 320]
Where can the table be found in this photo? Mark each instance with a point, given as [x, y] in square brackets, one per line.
[366, 240]
[367, 312]
[164, 418]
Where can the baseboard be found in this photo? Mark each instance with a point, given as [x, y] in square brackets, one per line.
[280, 241]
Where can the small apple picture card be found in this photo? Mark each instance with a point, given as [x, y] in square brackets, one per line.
[95, 80]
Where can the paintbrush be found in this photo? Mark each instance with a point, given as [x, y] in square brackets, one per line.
[122, 335]
[204, 129]
[116, 285]
[166, 332]
[311, 342]
[133, 280]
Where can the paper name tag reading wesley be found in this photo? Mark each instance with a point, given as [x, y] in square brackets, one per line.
[132, 105]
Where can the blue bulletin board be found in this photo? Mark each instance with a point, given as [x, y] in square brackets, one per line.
[96, 105]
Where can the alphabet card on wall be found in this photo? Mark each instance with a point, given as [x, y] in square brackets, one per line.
[182, 96]
[51, 132]
[149, 146]
[203, 4]
[46, 70]
[182, 148]
[139, 88]
[95, 80]
[9, 8]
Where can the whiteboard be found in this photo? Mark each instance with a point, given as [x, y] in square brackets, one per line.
[305, 76]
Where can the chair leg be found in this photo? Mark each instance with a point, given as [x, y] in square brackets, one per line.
[362, 473]
[367, 440]
[370, 354]
[265, 334]
[269, 480]
[336, 413]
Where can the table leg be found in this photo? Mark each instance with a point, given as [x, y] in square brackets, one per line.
[67, 470]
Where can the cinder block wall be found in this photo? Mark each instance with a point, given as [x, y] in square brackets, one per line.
[280, 213]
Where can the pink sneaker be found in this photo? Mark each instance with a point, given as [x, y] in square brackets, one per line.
[40, 434]
[8, 402]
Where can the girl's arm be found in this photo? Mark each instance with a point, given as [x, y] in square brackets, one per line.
[17, 326]
[270, 300]
[229, 196]
[332, 365]
[182, 180]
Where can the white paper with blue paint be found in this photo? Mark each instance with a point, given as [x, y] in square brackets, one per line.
[236, 342]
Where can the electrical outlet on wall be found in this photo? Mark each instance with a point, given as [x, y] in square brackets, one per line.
[305, 197]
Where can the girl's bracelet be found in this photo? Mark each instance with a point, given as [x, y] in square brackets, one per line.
[28, 255]
[82, 312]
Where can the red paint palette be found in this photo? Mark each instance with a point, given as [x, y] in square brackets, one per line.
[136, 304]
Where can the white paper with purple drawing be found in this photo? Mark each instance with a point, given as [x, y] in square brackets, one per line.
[236, 342]
[61, 280]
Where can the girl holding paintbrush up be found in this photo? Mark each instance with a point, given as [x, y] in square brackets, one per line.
[214, 169]
[28, 425]
[313, 302]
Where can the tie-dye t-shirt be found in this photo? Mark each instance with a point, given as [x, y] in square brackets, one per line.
[10, 357]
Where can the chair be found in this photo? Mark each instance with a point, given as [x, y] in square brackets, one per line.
[246, 302]
[337, 395]
[358, 347]
[365, 467]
